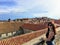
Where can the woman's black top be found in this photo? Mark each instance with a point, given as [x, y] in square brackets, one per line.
[47, 34]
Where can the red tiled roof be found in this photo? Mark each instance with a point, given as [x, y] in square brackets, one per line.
[57, 21]
[25, 19]
[35, 26]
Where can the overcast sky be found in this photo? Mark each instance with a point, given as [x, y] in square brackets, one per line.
[29, 8]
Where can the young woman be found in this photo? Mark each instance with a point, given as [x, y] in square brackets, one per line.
[50, 35]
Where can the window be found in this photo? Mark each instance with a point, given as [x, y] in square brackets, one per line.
[3, 35]
[14, 33]
[10, 34]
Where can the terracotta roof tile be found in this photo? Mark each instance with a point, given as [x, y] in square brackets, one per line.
[57, 21]
[34, 26]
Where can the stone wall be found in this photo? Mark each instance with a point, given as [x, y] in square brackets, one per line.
[19, 40]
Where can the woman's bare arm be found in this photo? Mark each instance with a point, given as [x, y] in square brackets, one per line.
[51, 34]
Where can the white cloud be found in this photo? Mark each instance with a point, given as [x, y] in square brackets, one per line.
[3, 11]
[24, 5]
[13, 10]
[54, 8]
[40, 14]
[18, 10]
[29, 4]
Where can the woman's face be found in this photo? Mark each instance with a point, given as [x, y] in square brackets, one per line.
[50, 26]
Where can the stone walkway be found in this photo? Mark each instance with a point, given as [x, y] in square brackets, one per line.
[33, 41]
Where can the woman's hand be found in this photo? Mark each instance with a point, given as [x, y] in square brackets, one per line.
[44, 39]
[51, 34]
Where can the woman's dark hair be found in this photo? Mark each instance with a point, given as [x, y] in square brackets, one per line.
[53, 27]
